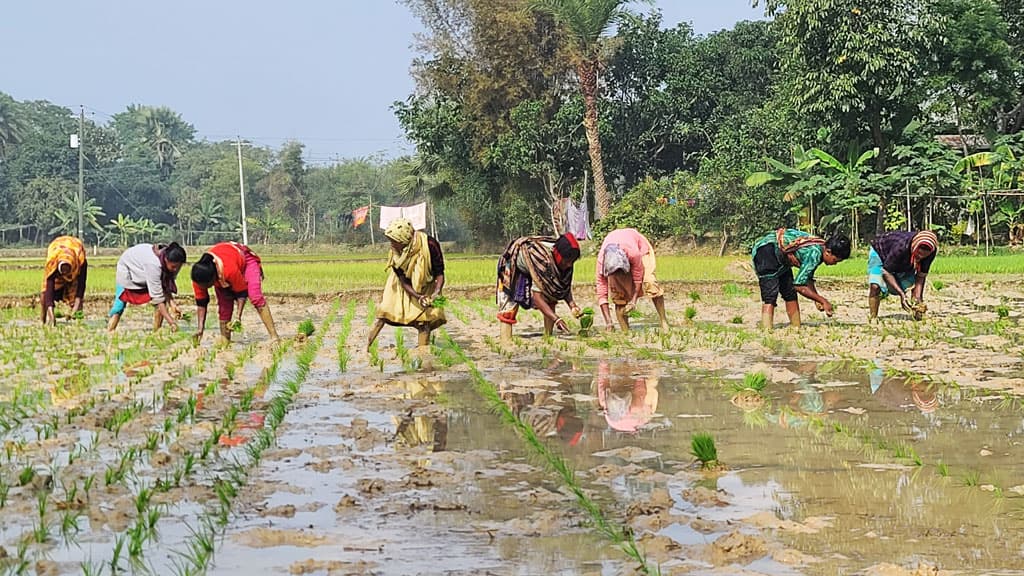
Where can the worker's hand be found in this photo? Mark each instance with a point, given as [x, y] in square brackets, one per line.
[827, 309]
[629, 307]
[576, 312]
[609, 327]
[562, 326]
[197, 337]
[906, 304]
[426, 302]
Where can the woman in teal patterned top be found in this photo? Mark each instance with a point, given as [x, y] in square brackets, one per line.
[776, 253]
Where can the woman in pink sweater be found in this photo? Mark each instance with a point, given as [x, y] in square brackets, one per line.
[625, 271]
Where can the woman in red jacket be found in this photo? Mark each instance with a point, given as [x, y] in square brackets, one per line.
[235, 273]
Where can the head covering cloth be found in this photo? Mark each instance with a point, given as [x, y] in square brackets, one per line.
[615, 260]
[926, 240]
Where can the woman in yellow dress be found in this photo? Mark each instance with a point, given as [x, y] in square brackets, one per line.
[415, 279]
[64, 276]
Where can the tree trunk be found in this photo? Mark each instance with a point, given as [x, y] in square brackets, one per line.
[587, 71]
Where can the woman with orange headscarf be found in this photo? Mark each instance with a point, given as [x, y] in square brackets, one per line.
[64, 276]
[898, 261]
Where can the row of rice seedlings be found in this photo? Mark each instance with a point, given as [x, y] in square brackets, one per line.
[344, 354]
[121, 471]
[200, 547]
[143, 530]
[617, 534]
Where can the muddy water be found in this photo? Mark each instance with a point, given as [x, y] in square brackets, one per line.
[353, 488]
[825, 464]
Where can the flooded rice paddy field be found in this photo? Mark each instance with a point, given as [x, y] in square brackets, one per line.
[891, 448]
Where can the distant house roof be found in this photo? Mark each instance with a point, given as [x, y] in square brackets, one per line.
[975, 142]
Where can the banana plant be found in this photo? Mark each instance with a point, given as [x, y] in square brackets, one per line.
[797, 179]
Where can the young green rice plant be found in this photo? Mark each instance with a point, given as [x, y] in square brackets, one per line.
[733, 289]
[1003, 311]
[702, 447]
[938, 285]
[69, 525]
[118, 550]
[90, 568]
[694, 296]
[307, 327]
[972, 478]
[26, 475]
[736, 319]
[690, 313]
[5, 489]
[752, 381]
[942, 469]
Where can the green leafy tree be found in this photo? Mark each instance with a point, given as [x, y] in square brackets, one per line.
[12, 127]
[157, 132]
[585, 23]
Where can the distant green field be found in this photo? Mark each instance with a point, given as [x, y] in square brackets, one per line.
[324, 273]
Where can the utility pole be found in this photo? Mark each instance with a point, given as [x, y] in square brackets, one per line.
[81, 172]
[369, 217]
[241, 192]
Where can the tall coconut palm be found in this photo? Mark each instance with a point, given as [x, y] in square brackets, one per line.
[584, 23]
[12, 128]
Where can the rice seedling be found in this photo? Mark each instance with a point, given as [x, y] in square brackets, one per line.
[306, 327]
[736, 319]
[702, 447]
[690, 313]
[754, 381]
[942, 469]
[694, 296]
[938, 285]
[26, 475]
[1003, 311]
[972, 478]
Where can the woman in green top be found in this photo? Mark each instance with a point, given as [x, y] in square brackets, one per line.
[774, 256]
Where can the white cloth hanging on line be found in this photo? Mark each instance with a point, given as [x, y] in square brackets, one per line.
[417, 214]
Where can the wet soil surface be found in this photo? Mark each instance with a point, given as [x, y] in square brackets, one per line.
[886, 448]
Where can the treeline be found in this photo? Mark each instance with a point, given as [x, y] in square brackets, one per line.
[831, 115]
[147, 177]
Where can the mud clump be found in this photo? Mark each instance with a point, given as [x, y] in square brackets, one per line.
[370, 486]
[922, 569]
[269, 538]
[736, 546]
[285, 511]
[331, 567]
[345, 503]
[704, 497]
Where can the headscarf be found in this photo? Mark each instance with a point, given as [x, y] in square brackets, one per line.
[923, 239]
[566, 248]
[615, 259]
[400, 230]
[67, 252]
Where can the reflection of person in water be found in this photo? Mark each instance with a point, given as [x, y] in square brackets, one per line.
[901, 392]
[629, 401]
[546, 415]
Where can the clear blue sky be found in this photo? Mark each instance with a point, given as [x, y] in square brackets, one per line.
[323, 72]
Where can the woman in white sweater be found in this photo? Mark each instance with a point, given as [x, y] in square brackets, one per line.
[146, 273]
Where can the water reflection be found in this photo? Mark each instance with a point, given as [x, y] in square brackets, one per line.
[628, 399]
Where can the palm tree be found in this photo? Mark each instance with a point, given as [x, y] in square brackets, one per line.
[12, 129]
[423, 175]
[585, 22]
